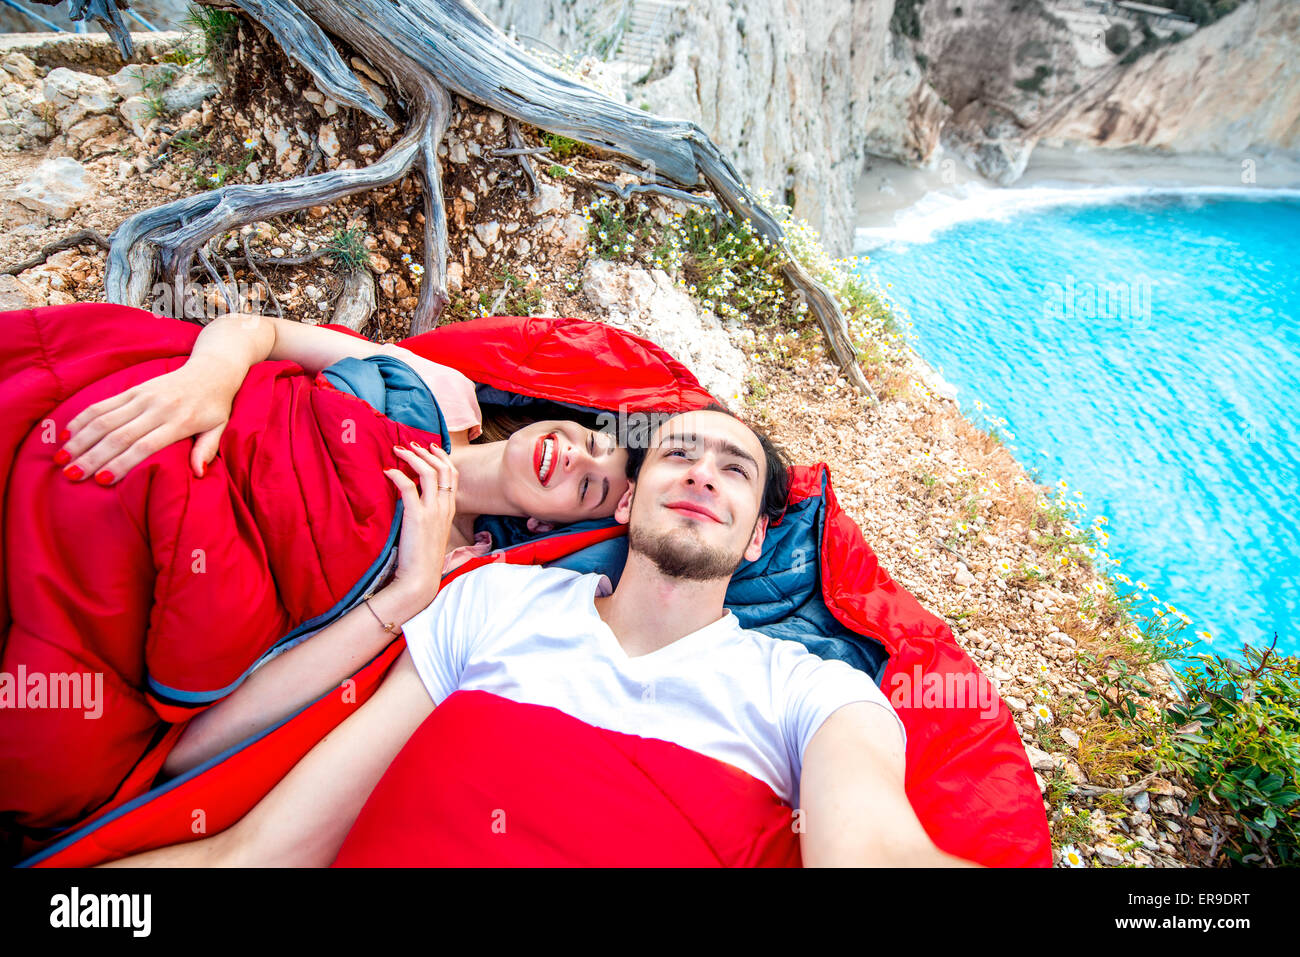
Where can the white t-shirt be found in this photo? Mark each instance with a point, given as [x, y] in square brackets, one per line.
[533, 635]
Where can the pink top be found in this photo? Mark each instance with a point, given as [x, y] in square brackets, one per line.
[456, 399]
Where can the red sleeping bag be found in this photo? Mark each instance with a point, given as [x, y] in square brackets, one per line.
[524, 774]
[967, 774]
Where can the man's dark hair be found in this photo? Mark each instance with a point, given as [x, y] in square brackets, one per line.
[776, 488]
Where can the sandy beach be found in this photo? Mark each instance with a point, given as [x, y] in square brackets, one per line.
[896, 202]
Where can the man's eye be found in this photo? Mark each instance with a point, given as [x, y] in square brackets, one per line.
[591, 444]
[582, 495]
[740, 470]
[675, 452]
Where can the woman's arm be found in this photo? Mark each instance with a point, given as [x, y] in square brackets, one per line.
[302, 674]
[111, 437]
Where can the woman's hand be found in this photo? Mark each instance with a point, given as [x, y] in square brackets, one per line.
[113, 436]
[427, 516]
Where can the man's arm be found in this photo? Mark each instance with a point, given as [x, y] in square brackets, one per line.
[855, 810]
[304, 820]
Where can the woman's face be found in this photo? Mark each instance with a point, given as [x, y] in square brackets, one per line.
[560, 471]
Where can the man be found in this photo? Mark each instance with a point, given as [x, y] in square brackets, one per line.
[700, 500]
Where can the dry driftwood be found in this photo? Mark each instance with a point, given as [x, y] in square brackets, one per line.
[428, 49]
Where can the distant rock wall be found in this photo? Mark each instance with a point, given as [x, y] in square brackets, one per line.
[1230, 88]
[799, 95]
[796, 94]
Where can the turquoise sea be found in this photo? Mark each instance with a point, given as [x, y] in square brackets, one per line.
[1144, 347]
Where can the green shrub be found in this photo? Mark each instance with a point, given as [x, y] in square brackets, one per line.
[562, 147]
[348, 248]
[906, 19]
[1236, 740]
[1117, 38]
[1034, 84]
[217, 28]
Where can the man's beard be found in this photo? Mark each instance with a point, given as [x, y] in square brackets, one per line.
[676, 555]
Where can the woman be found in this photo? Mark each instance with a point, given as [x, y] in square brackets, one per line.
[170, 582]
[549, 472]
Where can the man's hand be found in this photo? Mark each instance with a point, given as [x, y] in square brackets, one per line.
[113, 436]
[855, 812]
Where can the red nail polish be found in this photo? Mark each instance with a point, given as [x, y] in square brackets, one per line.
[64, 435]
[73, 472]
[62, 457]
[104, 477]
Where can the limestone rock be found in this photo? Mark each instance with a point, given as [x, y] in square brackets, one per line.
[328, 138]
[1228, 88]
[548, 198]
[455, 277]
[188, 93]
[19, 67]
[74, 96]
[16, 294]
[137, 111]
[990, 141]
[128, 81]
[649, 304]
[56, 188]
[1039, 759]
[1109, 855]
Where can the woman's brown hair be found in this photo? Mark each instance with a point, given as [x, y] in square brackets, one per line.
[500, 422]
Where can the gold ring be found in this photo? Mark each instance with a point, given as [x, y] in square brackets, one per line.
[446, 488]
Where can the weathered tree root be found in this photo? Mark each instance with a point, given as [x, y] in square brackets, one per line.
[522, 154]
[1091, 791]
[80, 237]
[427, 48]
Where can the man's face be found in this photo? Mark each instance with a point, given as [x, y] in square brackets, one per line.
[694, 508]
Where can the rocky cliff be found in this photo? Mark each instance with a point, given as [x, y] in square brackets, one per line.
[1230, 88]
[797, 94]
[801, 95]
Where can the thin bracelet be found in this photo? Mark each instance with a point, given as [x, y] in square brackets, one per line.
[390, 627]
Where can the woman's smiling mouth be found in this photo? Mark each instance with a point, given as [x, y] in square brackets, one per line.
[545, 454]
